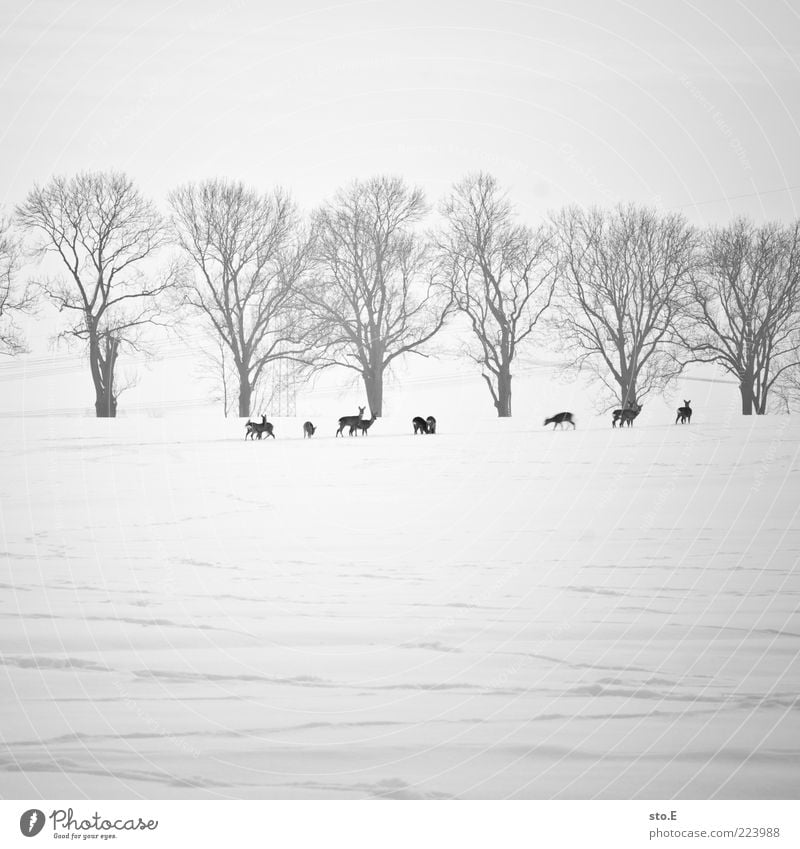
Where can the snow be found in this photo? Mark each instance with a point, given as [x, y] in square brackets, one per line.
[495, 611]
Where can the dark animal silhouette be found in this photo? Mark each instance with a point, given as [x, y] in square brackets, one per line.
[351, 422]
[364, 425]
[253, 428]
[431, 422]
[308, 430]
[685, 413]
[420, 425]
[558, 420]
[258, 428]
[626, 415]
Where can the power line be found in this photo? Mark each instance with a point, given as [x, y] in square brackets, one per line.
[739, 197]
[89, 412]
[30, 369]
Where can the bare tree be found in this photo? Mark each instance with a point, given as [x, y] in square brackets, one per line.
[104, 232]
[372, 297]
[745, 307]
[250, 255]
[624, 276]
[13, 298]
[213, 366]
[785, 396]
[500, 275]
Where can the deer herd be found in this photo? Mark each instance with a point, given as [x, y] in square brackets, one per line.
[359, 425]
[355, 424]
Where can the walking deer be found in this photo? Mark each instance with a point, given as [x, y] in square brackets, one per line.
[308, 430]
[626, 415]
[258, 428]
[558, 420]
[250, 427]
[685, 413]
[350, 421]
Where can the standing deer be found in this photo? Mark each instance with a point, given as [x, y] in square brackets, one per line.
[364, 425]
[558, 420]
[420, 425]
[685, 413]
[350, 421]
[308, 430]
[626, 415]
[431, 422]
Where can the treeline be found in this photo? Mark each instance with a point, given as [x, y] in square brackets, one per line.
[630, 294]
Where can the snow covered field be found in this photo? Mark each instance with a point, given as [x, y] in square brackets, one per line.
[494, 611]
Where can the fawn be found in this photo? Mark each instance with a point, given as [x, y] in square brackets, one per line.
[308, 430]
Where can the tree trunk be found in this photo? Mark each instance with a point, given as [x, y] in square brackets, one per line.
[105, 402]
[245, 394]
[503, 402]
[373, 383]
[760, 398]
[746, 389]
[627, 391]
[105, 405]
[224, 377]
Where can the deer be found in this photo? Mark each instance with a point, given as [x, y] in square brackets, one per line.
[308, 430]
[626, 415]
[364, 425]
[250, 427]
[558, 420]
[259, 428]
[420, 425]
[431, 422]
[350, 421]
[685, 413]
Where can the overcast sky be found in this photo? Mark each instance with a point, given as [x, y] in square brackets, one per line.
[685, 105]
[586, 101]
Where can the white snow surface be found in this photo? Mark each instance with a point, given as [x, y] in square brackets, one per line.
[495, 611]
